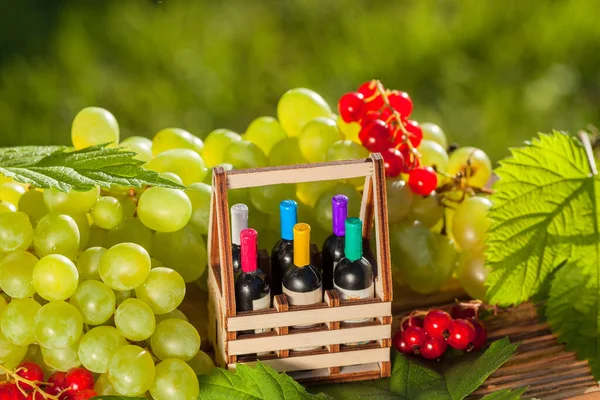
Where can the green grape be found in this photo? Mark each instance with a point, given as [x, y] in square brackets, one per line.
[122, 295]
[267, 198]
[141, 145]
[349, 129]
[163, 290]
[298, 106]
[268, 239]
[103, 386]
[199, 195]
[124, 266]
[97, 236]
[198, 145]
[173, 138]
[3, 305]
[55, 277]
[265, 132]
[470, 222]
[348, 150]
[17, 321]
[175, 314]
[316, 137]
[175, 338]
[399, 200]
[56, 234]
[62, 359]
[237, 196]
[32, 203]
[472, 273]
[6, 207]
[10, 354]
[435, 133]
[426, 209]
[480, 169]
[202, 364]
[309, 192]
[11, 192]
[425, 259]
[164, 210]
[16, 232]
[323, 206]
[131, 371]
[88, 262]
[185, 163]
[83, 224]
[107, 213]
[433, 155]
[57, 325]
[93, 126]
[129, 206]
[174, 380]
[245, 154]
[176, 249]
[215, 144]
[135, 320]
[131, 230]
[95, 301]
[98, 346]
[173, 177]
[286, 152]
[73, 202]
[16, 271]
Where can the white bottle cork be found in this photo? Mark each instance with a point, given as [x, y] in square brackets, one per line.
[239, 221]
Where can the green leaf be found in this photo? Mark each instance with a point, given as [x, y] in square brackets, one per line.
[58, 167]
[544, 212]
[260, 382]
[506, 394]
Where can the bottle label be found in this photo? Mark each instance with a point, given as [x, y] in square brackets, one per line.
[302, 299]
[346, 294]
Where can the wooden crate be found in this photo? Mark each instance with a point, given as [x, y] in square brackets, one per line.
[334, 361]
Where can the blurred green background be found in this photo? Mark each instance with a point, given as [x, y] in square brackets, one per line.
[491, 73]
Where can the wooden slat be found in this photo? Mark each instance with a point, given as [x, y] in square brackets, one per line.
[347, 374]
[383, 283]
[326, 360]
[298, 173]
[332, 300]
[281, 305]
[309, 316]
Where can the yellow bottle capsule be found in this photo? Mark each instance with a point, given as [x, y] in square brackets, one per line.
[301, 245]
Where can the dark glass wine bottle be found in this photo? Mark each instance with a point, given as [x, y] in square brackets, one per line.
[302, 282]
[282, 256]
[333, 247]
[239, 222]
[353, 275]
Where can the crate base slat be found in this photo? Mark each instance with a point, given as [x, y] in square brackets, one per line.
[345, 374]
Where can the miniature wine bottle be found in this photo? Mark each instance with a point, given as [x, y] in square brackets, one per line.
[239, 222]
[302, 282]
[333, 248]
[252, 289]
[353, 275]
[282, 256]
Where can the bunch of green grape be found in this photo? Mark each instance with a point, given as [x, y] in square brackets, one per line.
[94, 279]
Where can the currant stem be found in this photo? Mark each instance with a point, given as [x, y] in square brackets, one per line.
[34, 384]
[587, 145]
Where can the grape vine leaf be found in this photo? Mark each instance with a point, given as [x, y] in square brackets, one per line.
[415, 380]
[60, 167]
[260, 382]
[545, 238]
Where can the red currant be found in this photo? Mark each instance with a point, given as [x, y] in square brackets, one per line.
[85, 394]
[462, 334]
[56, 383]
[414, 337]
[375, 136]
[393, 162]
[400, 344]
[480, 335]
[437, 324]
[401, 102]
[351, 106]
[373, 99]
[386, 115]
[458, 311]
[422, 181]
[433, 348]
[415, 133]
[31, 371]
[411, 159]
[78, 379]
[412, 321]
[36, 396]
[9, 391]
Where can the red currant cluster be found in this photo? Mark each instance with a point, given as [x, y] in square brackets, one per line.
[385, 128]
[28, 384]
[431, 336]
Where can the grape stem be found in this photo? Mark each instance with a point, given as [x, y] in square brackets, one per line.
[34, 384]
[587, 145]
